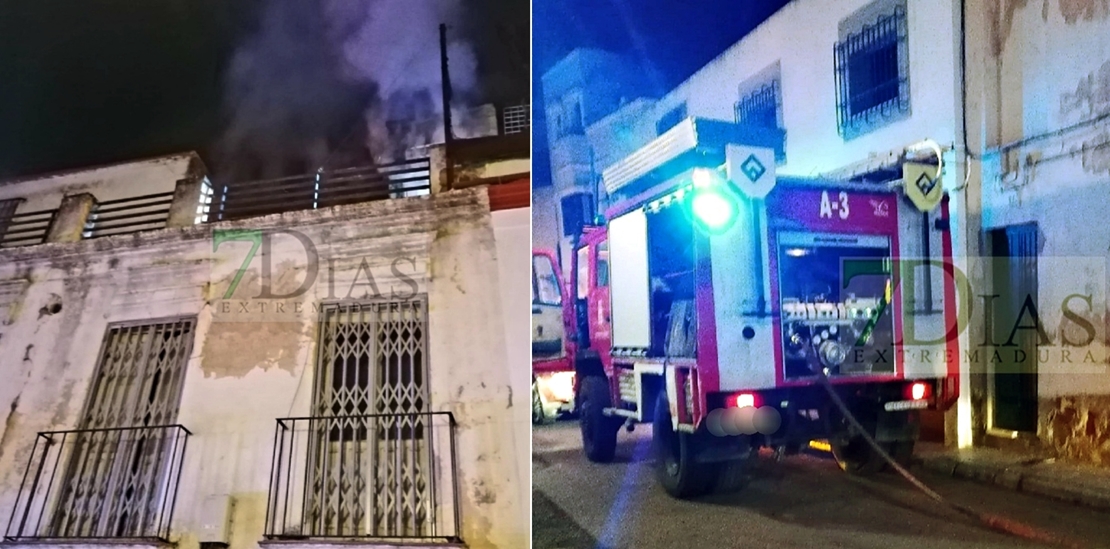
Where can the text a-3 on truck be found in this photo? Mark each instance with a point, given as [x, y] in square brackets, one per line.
[714, 315]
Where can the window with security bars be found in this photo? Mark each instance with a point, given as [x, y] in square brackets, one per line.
[515, 119]
[760, 107]
[371, 458]
[872, 75]
[116, 481]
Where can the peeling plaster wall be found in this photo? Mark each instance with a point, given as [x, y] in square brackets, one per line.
[250, 366]
[1044, 67]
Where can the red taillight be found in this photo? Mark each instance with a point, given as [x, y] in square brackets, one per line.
[919, 390]
[741, 400]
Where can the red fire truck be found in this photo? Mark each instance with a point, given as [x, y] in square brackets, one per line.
[553, 342]
[714, 302]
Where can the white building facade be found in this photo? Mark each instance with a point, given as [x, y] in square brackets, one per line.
[333, 375]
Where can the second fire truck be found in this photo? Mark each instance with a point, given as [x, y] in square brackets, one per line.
[716, 299]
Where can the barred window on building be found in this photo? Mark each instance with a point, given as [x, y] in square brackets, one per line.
[516, 119]
[872, 74]
[121, 460]
[371, 451]
[760, 107]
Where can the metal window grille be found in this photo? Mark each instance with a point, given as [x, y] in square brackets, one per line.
[516, 119]
[128, 215]
[370, 459]
[120, 469]
[760, 107]
[671, 119]
[872, 74]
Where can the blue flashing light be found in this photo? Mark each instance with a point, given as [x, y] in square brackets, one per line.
[714, 209]
[713, 205]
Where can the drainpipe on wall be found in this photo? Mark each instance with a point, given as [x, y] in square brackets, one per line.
[965, 216]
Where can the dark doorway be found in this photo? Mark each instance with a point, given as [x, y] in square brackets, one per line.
[1015, 325]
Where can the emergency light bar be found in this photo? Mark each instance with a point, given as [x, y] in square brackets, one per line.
[695, 142]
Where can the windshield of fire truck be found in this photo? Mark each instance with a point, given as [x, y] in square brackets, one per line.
[545, 284]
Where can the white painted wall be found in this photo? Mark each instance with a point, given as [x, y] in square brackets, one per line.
[1053, 72]
[130, 179]
[801, 37]
[511, 228]
[246, 370]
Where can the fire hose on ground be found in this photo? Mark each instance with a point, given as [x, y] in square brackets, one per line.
[994, 522]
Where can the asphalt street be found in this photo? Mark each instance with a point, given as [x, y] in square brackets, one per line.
[800, 501]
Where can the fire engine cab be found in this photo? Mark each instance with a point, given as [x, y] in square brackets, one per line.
[553, 342]
[716, 298]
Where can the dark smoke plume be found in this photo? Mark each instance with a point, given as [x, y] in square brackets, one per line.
[336, 83]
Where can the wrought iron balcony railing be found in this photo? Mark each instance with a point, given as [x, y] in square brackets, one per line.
[128, 215]
[100, 484]
[321, 190]
[379, 476]
[27, 228]
[238, 200]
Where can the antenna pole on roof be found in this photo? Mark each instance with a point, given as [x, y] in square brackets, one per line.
[446, 84]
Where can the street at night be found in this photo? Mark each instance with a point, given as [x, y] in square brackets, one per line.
[802, 501]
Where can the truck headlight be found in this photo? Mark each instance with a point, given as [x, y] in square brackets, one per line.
[559, 386]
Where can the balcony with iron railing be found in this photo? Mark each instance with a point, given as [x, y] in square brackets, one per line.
[379, 477]
[195, 201]
[100, 484]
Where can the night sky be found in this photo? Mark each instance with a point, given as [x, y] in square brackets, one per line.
[89, 82]
[670, 39]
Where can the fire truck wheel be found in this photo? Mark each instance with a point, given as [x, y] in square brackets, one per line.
[599, 432]
[856, 456]
[733, 476]
[675, 465]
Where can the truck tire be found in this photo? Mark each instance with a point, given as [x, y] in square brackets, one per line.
[856, 457]
[732, 476]
[675, 465]
[599, 432]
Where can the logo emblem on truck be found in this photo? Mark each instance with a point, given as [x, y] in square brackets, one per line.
[922, 185]
[926, 184]
[753, 168]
